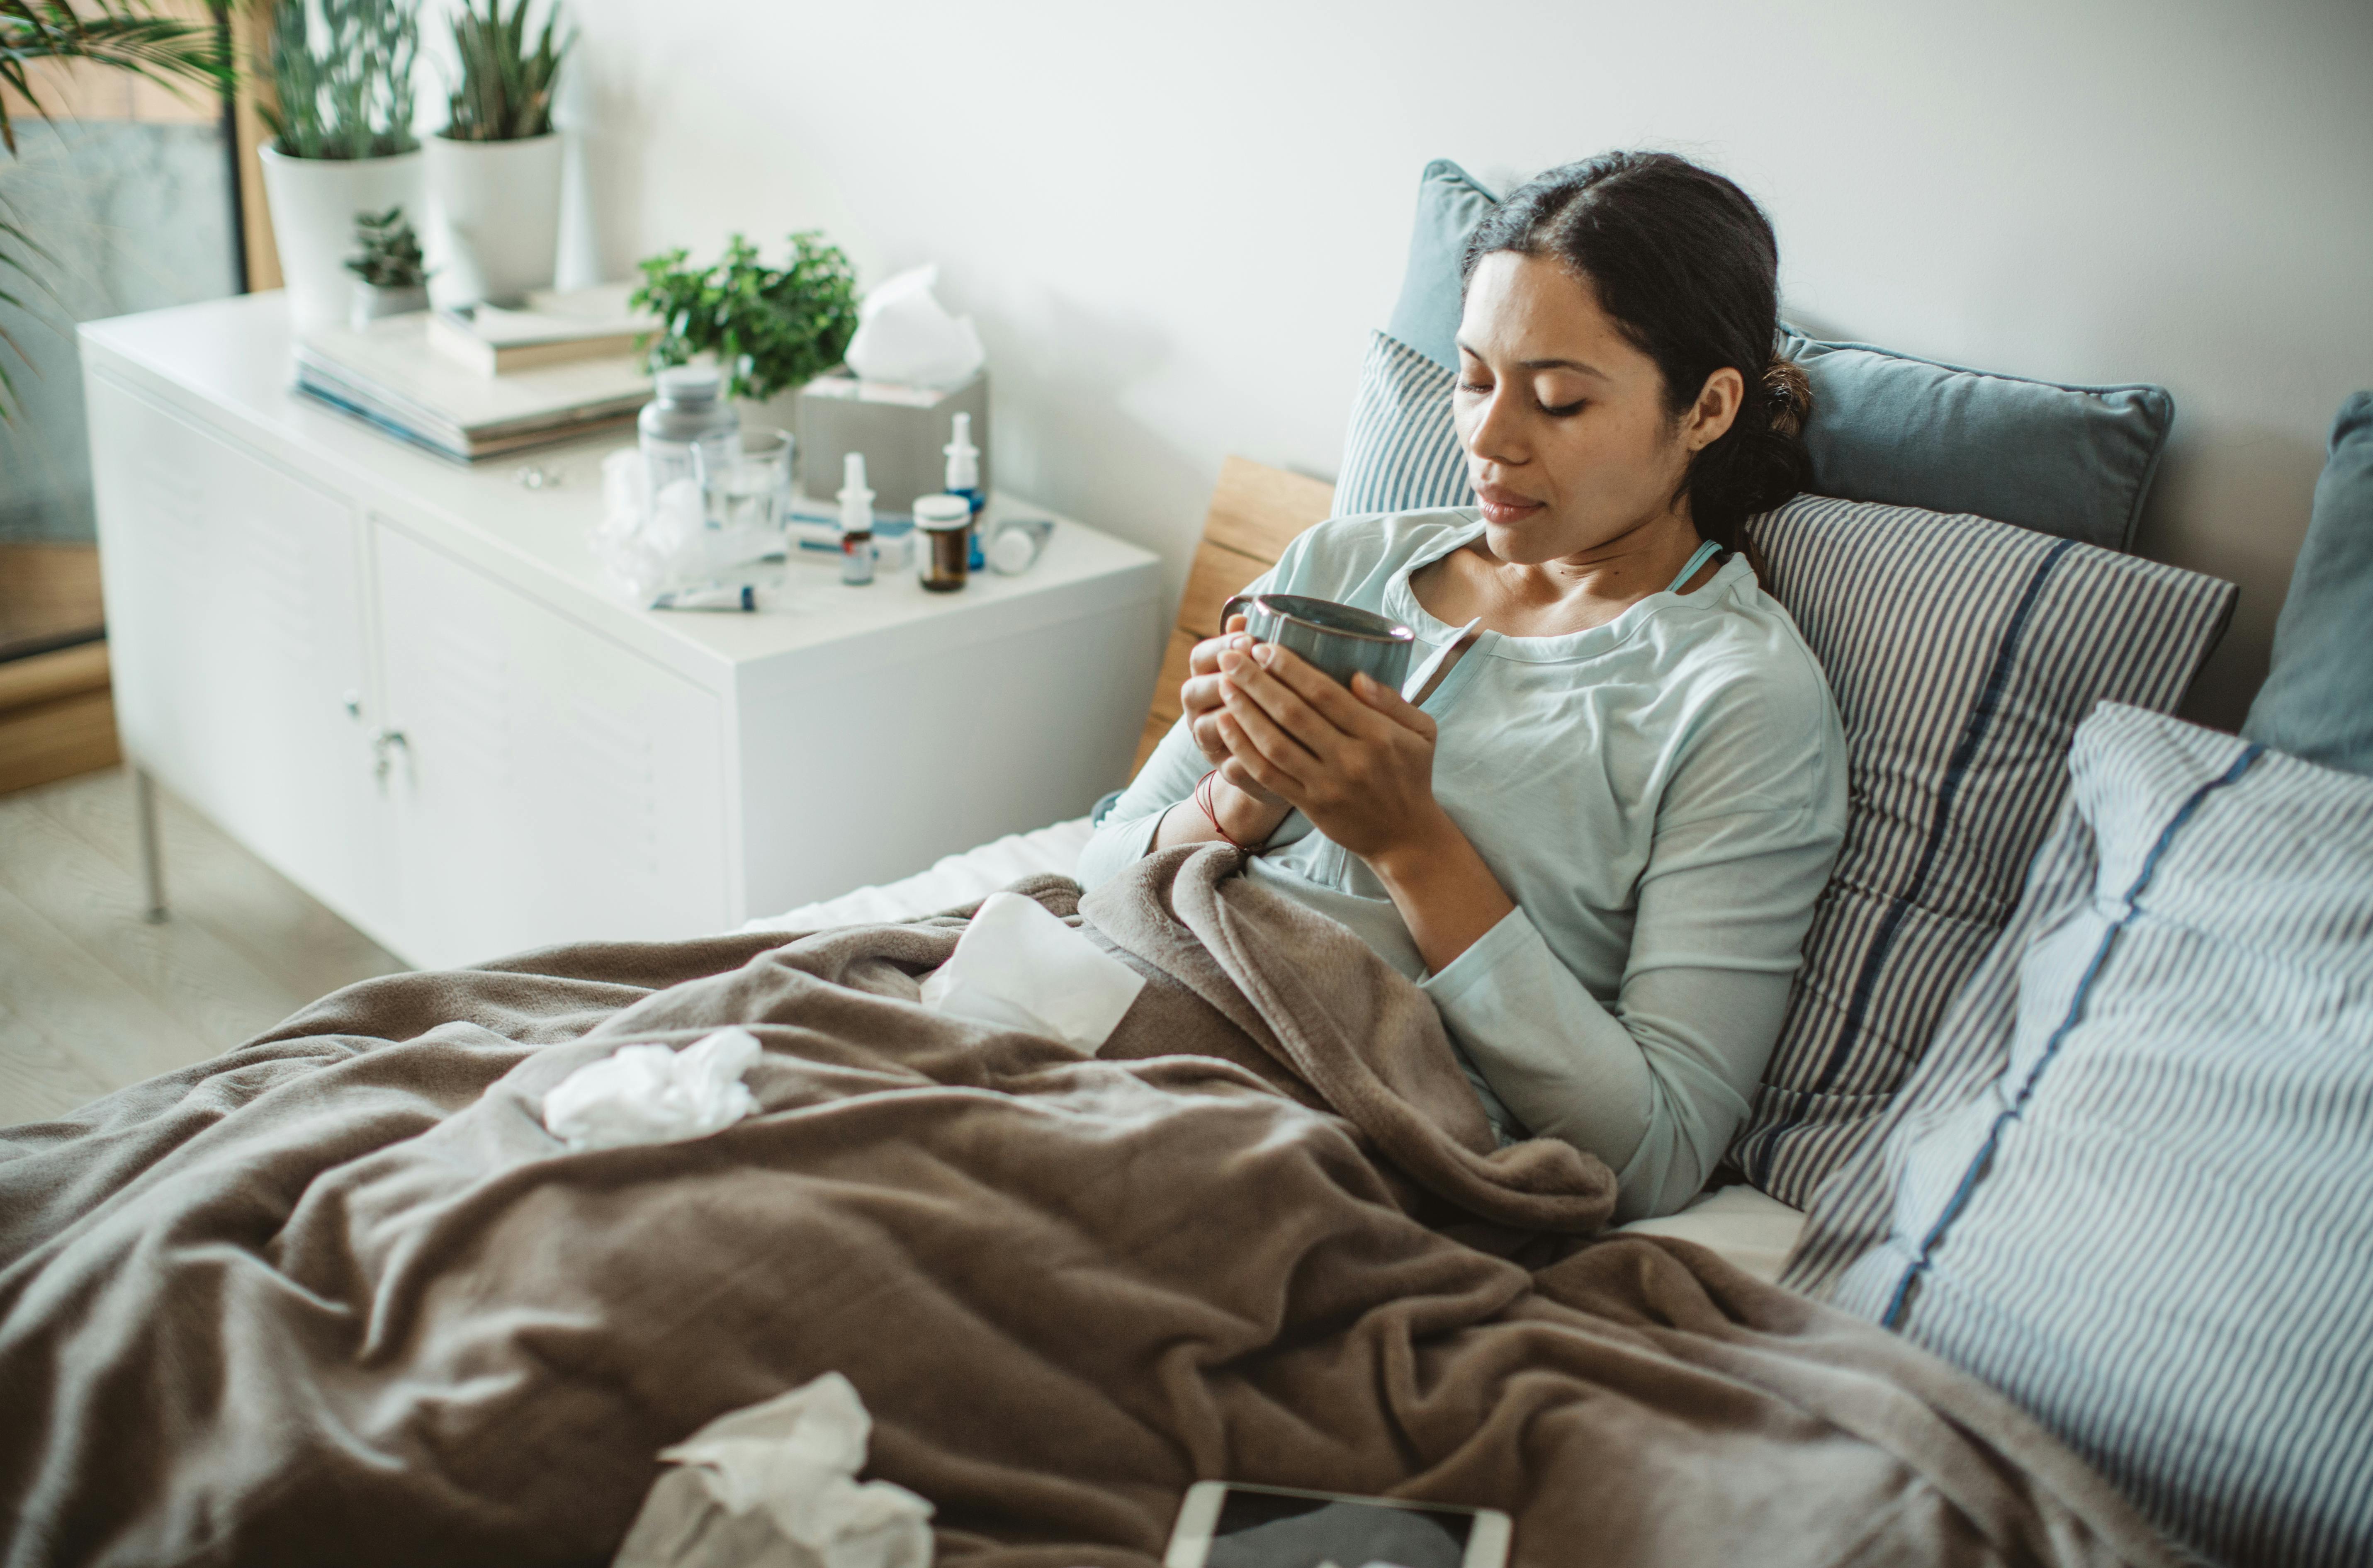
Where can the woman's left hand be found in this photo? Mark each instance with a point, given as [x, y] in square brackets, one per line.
[1358, 762]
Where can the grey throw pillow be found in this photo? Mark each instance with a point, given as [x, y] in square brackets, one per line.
[1962, 653]
[2129, 1186]
[2318, 700]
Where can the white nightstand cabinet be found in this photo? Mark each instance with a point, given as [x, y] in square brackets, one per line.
[402, 683]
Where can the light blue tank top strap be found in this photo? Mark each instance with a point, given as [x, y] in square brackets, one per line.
[1705, 552]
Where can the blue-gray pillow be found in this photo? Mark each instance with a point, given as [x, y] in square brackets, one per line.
[1450, 203]
[2072, 461]
[2318, 700]
[2128, 1186]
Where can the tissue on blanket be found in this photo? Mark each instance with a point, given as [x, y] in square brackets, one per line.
[652, 1093]
[774, 1485]
[904, 335]
[1020, 967]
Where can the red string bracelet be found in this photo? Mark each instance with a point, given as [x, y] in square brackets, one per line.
[1203, 800]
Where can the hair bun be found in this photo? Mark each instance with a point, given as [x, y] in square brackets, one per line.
[1788, 396]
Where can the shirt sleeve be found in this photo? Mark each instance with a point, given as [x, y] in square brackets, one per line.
[1656, 1080]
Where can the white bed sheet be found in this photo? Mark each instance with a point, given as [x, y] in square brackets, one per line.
[1748, 1228]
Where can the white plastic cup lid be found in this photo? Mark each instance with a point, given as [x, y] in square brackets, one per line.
[941, 513]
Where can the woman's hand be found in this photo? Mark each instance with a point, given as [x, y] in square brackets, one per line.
[1357, 762]
[1200, 698]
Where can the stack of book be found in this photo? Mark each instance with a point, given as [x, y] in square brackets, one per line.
[480, 381]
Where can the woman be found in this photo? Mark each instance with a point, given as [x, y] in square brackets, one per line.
[1595, 837]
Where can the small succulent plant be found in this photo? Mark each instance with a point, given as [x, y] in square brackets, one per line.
[390, 255]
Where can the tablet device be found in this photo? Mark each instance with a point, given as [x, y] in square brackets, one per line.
[1228, 1525]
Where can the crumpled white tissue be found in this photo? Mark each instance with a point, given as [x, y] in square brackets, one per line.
[1017, 967]
[652, 1093]
[903, 334]
[775, 1485]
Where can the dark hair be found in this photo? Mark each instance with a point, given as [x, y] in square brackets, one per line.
[1685, 264]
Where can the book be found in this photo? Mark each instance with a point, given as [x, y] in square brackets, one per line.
[553, 328]
[387, 375]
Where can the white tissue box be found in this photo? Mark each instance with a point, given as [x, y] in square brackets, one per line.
[901, 430]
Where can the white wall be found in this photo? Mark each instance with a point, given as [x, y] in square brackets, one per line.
[1175, 226]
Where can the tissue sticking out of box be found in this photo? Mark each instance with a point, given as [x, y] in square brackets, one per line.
[903, 334]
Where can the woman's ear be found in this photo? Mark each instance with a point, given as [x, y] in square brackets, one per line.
[1716, 409]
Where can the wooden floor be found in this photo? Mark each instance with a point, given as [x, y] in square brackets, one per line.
[93, 997]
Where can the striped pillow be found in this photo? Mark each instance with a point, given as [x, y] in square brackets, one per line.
[1403, 453]
[2129, 1187]
[1962, 653]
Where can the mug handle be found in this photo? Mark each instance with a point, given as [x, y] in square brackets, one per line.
[1236, 602]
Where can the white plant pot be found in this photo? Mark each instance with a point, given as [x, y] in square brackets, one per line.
[314, 202]
[498, 217]
[374, 302]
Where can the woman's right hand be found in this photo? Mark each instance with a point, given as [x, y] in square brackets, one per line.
[1200, 698]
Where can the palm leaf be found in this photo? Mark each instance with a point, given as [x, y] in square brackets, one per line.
[125, 35]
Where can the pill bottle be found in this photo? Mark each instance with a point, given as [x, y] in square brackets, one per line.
[943, 540]
[688, 432]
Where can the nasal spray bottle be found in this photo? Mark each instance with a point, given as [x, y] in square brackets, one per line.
[855, 521]
[963, 479]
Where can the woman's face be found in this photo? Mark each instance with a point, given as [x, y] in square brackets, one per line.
[1568, 441]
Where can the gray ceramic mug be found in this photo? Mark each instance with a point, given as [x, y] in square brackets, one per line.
[1336, 638]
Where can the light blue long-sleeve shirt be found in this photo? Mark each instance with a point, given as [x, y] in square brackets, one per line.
[1662, 795]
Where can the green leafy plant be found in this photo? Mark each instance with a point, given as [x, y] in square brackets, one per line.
[505, 92]
[390, 257]
[769, 328]
[341, 71]
[176, 52]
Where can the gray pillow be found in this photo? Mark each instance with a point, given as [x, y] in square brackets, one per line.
[1962, 653]
[1450, 203]
[2073, 461]
[2129, 1185]
[2068, 461]
[2318, 700]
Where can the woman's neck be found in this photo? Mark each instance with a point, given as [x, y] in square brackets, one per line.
[1557, 598]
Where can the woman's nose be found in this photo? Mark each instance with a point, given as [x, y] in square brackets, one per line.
[1494, 432]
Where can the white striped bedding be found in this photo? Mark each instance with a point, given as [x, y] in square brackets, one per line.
[2130, 1185]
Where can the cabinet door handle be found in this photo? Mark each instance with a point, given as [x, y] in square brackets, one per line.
[384, 746]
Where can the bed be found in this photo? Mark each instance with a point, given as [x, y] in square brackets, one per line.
[339, 1294]
[1255, 510]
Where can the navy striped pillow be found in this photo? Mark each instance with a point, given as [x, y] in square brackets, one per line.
[2129, 1187]
[1403, 453]
[1962, 653]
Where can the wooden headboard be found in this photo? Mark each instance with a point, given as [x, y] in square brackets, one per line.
[1256, 512]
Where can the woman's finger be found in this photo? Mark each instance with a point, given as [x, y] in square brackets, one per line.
[1317, 734]
[1384, 700]
[1254, 763]
[1204, 657]
[1272, 739]
[1321, 691]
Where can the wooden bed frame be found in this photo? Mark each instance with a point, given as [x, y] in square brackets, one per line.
[1256, 512]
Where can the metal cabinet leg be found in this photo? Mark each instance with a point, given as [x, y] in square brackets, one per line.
[152, 855]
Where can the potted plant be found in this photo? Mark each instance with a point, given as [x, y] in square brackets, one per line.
[494, 169]
[771, 329]
[341, 142]
[390, 279]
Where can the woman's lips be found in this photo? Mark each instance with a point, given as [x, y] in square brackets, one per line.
[1504, 505]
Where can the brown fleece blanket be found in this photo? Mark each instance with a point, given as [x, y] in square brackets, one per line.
[337, 1297]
